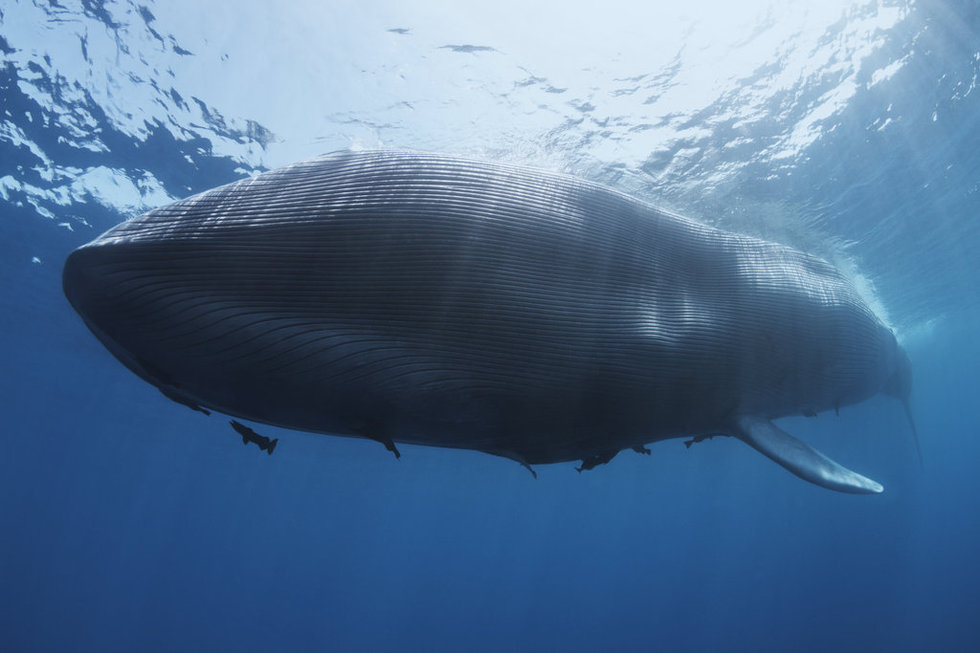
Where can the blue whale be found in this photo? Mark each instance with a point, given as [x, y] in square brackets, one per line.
[418, 298]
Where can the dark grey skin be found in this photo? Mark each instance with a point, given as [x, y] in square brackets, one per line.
[248, 435]
[425, 299]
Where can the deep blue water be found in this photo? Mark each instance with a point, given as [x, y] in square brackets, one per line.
[128, 522]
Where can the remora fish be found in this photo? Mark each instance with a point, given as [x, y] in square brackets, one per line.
[426, 299]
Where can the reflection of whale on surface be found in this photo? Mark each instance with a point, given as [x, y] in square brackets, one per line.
[425, 299]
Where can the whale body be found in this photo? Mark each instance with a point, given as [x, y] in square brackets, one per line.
[418, 298]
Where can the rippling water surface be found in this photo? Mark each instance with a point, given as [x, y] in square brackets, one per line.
[848, 129]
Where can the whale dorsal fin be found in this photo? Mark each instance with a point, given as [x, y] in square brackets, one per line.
[802, 459]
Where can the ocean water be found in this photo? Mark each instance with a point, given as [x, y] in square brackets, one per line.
[849, 129]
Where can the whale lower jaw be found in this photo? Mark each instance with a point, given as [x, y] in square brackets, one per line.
[800, 458]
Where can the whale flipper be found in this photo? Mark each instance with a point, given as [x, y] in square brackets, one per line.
[802, 459]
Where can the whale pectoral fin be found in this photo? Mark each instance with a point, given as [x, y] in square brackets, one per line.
[802, 459]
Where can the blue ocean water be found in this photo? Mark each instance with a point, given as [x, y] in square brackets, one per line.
[129, 523]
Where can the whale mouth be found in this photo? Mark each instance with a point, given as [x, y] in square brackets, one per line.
[81, 286]
[801, 459]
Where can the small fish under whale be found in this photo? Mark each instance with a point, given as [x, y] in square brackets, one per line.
[248, 435]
